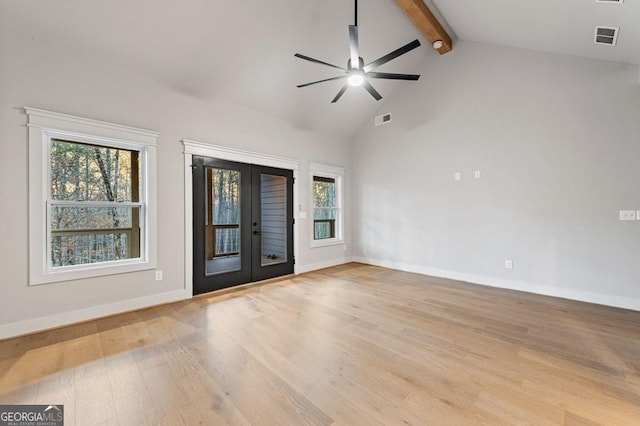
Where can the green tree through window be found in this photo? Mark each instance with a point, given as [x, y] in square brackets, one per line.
[325, 208]
[94, 203]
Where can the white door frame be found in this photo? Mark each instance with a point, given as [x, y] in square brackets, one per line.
[192, 148]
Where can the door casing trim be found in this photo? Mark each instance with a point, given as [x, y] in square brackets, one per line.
[191, 148]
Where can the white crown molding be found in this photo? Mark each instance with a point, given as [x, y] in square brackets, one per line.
[40, 118]
[232, 154]
[326, 168]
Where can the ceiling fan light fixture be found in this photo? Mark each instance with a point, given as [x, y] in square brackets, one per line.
[357, 73]
[355, 79]
[437, 44]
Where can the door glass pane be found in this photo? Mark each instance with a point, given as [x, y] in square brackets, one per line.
[273, 201]
[222, 227]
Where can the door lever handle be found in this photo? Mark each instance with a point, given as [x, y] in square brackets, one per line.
[256, 232]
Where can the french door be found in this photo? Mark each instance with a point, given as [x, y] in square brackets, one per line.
[242, 223]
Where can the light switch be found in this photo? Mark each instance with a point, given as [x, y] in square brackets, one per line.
[628, 215]
[457, 176]
[476, 174]
[303, 215]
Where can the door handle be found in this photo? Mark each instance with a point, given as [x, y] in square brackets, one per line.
[256, 232]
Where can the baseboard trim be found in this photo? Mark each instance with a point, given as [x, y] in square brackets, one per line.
[545, 290]
[321, 265]
[40, 324]
[20, 328]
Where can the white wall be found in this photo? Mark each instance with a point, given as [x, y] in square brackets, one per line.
[557, 142]
[35, 73]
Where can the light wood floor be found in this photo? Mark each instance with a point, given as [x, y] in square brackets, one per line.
[351, 345]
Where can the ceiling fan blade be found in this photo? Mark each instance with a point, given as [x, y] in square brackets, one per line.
[389, 56]
[371, 90]
[353, 47]
[322, 81]
[344, 89]
[392, 76]
[306, 58]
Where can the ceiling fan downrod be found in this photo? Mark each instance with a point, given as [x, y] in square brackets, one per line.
[355, 19]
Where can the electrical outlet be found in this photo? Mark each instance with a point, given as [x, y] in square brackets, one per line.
[508, 264]
[628, 215]
[457, 176]
[638, 215]
[158, 275]
[476, 174]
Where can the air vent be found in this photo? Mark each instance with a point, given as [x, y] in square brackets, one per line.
[607, 35]
[383, 119]
[610, 1]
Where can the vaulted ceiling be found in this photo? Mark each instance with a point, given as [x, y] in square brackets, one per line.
[242, 51]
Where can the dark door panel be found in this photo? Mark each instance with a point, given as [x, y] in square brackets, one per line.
[221, 212]
[242, 223]
[272, 210]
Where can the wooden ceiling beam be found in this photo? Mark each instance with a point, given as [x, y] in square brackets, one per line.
[426, 22]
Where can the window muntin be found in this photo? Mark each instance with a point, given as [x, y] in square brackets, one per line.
[94, 204]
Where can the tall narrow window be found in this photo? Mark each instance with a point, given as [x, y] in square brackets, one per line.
[326, 193]
[92, 198]
[94, 203]
[325, 208]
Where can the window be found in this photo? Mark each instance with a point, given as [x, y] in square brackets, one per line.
[92, 198]
[94, 203]
[326, 194]
[325, 208]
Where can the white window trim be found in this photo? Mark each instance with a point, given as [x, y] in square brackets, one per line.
[337, 173]
[45, 125]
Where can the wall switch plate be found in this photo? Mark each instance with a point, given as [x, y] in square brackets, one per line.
[628, 215]
[158, 275]
[508, 264]
[457, 176]
[638, 215]
[302, 215]
[476, 174]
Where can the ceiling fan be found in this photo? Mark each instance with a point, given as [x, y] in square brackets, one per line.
[357, 73]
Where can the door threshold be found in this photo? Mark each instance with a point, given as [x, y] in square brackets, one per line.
[240, 287]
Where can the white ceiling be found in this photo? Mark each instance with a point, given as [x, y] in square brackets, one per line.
[560, 26]
[242, 51]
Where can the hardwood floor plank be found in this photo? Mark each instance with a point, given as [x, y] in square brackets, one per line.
[349, 345]
[94, 401]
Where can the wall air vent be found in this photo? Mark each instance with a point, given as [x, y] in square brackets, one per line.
[607, 35]
[610, 1]
[383, 119]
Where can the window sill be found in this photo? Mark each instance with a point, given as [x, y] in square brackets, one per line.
[326, 243]
[90, 271]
